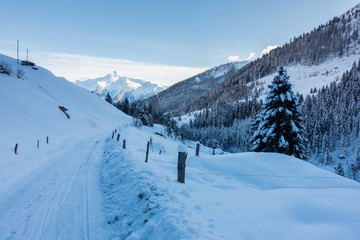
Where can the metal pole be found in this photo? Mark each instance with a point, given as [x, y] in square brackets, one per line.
[17, 52]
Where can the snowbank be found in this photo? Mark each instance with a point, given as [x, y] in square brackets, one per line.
[231, 196]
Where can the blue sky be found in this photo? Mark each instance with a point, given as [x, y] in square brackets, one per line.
[167, 40]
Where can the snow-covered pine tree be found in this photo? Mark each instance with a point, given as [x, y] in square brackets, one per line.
[327, 159]
[126, 105]
[108, 98]
[339, 170]
[278, 127]
[343, 145]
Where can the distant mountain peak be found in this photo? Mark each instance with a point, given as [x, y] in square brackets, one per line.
[120, 87]
[114, 76]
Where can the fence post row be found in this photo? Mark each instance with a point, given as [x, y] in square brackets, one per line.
[147, 152]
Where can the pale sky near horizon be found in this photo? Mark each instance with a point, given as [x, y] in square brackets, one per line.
[160, 41]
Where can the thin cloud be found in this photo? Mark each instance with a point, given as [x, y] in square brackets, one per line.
[251, 56]
[233, 58]
[268, 49]
[74, 67]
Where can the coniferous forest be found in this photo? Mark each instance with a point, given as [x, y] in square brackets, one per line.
[331, 120]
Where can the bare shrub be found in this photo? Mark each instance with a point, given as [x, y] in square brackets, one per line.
[5, 68]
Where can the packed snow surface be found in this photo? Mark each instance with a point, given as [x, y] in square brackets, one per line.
[231, 196]
[84, 185]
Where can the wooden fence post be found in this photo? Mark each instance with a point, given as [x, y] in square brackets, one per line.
[197, 149]
[181, 166]
[213, 151]
[182, 155]
[118, 137]
[112, 134]
[38, 144]
[16, 148]
[147, 152]
[115, 130]
[47, 140]
[124, 144]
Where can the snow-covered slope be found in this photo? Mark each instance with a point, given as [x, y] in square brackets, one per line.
[304, 78]
[120, 87]
[231, 196]
[30, 111]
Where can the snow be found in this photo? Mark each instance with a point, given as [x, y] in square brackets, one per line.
[181, 148]
[303, 78]
[228, 196]
[29, 110]
[185, 119]
[84, 185]
[120, 87]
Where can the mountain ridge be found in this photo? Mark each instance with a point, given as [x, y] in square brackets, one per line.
[337, 38]
[120, 87]
[181, 94]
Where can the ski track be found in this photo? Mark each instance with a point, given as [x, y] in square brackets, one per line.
[53, 202]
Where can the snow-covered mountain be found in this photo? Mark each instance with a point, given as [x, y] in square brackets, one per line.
[336, 42]
[120, 87]
[179, 97]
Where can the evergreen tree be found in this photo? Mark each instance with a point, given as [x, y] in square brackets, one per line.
[327, 159]
[279, 125]
[355, 167]
[339, 170]
[126, 106]
[108, 98]
[343, 145]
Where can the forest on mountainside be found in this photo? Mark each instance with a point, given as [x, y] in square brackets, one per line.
[336, 38]
[331, 119]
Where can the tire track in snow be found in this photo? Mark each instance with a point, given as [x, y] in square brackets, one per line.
[47, 206]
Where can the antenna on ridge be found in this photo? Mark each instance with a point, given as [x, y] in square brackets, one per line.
[17, 54]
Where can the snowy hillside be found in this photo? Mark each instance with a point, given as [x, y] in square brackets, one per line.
[177, 98]
[305, 78]
[220, 71]
[120, 87]
[30, 112]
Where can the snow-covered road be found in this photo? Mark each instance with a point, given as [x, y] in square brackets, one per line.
[60, 200]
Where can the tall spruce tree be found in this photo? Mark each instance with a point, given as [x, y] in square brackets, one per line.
[108, 98]
[279, 125]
